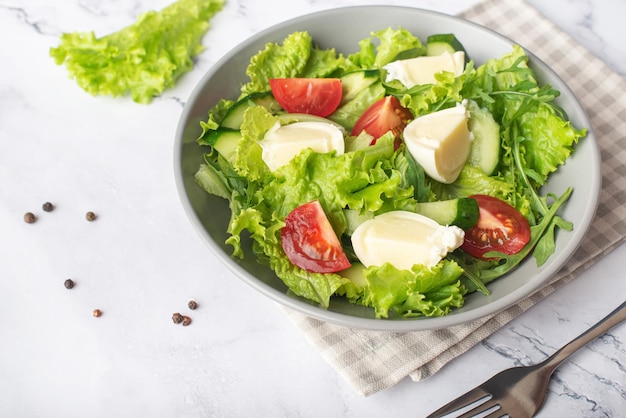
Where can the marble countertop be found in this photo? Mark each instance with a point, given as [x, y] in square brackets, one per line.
[141, 260]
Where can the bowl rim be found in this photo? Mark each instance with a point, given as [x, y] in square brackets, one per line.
[556, 262]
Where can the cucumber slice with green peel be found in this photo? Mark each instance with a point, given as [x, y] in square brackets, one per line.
[354, 218]
[224, 141]
[346, 115]
[410, 53]
[443, 42]
[485, 151]
[234, 116]
[462, 212]
[287, 118]
[355, 82]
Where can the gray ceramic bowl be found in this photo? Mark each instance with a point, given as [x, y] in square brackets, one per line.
[342, 28]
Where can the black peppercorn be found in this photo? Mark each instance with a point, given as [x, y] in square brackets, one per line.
[29, 217]
[90, 216]
[192, 304]
[177, 318]
[69, 283]
[47, 207]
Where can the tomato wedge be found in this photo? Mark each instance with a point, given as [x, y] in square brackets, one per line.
[310, 242]
[386, 114]
[314, 96]
[500, 227]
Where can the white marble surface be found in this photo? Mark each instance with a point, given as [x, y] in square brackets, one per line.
[140, 261]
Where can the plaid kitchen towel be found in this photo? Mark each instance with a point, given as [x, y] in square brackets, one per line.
[372, 360]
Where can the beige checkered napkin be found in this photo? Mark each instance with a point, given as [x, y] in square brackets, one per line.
[372, 361]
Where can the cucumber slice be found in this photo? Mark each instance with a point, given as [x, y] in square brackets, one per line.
[443, 42]
[485, 151]
[224, 141]
[354, 218]
[346, 115]
[287, 118]
[234, 117]
[462, 212]
[355, 82]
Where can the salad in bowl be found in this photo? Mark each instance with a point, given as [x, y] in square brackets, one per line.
[402, 177]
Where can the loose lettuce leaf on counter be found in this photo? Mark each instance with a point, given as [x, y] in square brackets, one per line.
[143, 59]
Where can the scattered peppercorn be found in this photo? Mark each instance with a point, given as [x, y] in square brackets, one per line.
[90, 216]
[69, 283]
[186, 321]
[29, 217]
[192, 304]
[177, 318]
[47, 207]
[97, 313]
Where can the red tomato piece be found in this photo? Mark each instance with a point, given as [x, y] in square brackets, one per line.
[500, 227]
[314, 96]
[310, 242]
[386, 114]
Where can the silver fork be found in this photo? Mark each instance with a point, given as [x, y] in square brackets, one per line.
[519, 392]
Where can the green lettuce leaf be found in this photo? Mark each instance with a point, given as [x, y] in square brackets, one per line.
[472, 180]
[552, 141]
[248, 155]
[216, 115]
[365, 180]
[297, 56]
[421, 291]
[323, 63]
[277, 61]
[213, 181]
[143, 59]
[391, 44]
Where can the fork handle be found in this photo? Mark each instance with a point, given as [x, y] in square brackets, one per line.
[608, 322]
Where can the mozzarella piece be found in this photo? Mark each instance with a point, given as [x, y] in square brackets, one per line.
[404, 239]
[421, 70]
[282, 143]
[440, 142]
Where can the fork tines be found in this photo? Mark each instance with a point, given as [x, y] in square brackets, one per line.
[474, 402]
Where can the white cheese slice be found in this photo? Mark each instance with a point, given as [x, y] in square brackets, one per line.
[440, 142]
[404, 239]
[282, 143]
[421, 70]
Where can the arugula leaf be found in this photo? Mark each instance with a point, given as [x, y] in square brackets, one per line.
[142, 59]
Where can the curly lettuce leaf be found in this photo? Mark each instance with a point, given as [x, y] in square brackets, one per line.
[422, 291]
[215, 116]
[364, 180]
[391, 44]
[553, 139]
[248, 155]
[143, 59]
